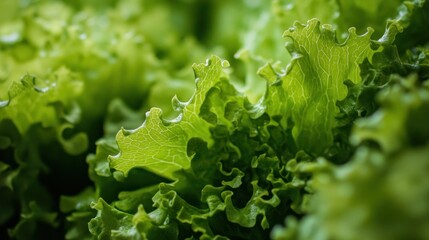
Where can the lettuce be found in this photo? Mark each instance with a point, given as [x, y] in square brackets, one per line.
[107, 133]
[390, 176]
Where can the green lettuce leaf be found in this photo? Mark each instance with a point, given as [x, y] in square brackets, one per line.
[144, 146]
[308, 91]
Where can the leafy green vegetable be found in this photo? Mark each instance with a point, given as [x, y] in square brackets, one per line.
[107, 133]
[338, 210]
[155, 136]
[313, 82]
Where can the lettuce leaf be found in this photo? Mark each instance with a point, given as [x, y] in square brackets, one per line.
[154, 136]
[307, 92]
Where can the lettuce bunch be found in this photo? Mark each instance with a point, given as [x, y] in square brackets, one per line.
[306, 121]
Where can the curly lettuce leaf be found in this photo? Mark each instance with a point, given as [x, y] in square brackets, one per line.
[161, 146]
[308, 91]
